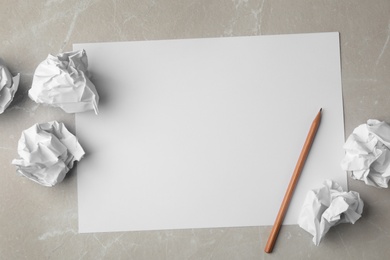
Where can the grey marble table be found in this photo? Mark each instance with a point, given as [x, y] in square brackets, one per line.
[41, 223]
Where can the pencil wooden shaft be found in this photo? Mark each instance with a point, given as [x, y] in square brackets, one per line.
[293, 182]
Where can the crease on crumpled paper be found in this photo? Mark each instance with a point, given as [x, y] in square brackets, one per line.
[8, 87]
[63, 81]
[367, 154]
[329, 206]
[47, 152]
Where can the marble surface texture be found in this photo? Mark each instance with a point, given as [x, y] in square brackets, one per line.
[41, 223]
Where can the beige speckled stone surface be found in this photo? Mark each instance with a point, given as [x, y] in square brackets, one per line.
[41, 223]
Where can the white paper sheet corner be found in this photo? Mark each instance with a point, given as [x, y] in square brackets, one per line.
[367, 154]
[62, 81]
[47, 152]
[8, 87]
[329, 206]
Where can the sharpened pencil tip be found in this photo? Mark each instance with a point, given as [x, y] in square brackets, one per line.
[321, 109]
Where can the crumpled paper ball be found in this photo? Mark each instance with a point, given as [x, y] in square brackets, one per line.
[47, 153]
[8, 87]
[62, 81]
[329, 206]
[367, 154]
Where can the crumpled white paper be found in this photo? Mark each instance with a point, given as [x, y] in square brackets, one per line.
[62, 81]
[329, 206]
[8, 87]
[47, 153]
[367, 154]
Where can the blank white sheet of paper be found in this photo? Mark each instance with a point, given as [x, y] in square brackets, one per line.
[203, 133]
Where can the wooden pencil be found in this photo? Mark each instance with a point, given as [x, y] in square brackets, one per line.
[293, 182]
